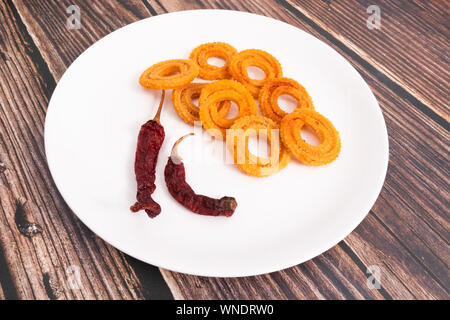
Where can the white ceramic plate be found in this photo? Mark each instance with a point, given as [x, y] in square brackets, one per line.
[96, 112]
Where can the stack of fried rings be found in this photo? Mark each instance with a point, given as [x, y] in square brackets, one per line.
[213, 95]
[215, 100]
[237, 142]
[182, 99]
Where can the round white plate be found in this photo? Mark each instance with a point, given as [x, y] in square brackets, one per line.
[96, 112]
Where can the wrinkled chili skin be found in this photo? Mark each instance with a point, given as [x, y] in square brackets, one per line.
[175, 177]
[150, 140]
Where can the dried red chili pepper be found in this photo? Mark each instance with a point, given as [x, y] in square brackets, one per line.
[151, 137]
[175, 177]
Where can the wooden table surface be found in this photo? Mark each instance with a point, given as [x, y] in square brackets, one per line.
[47, 253]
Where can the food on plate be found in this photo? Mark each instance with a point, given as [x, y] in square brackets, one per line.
[150, 140]
[282, 130]
[169, 74]
[184, 105]
[221, 50]
[237, 142]
[273, 89]
[175, 177]
[330, 144]
[254, 58]
[210, 101]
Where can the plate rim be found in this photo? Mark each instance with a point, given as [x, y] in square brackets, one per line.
[288, 262]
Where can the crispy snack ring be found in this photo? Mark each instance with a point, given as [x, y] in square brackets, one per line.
[273, 89]
[211, 98]
[330, 144]
[255, 58]
[183, 104]
[237, 142]
[202, 53]
[169, 74]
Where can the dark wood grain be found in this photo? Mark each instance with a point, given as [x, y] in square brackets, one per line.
[411, 46]
[62, 45]
[39, 265]
[405, 234]
[333, 275]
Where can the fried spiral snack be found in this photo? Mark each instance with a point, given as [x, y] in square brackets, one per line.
[237, 142]
[210, 100]
[256, 58]
[273, 89]
[169, 74]
[202, 53]
[183, 104]
[330, 144]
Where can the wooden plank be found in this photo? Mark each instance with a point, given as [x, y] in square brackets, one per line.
[64, 45]
[7, 286]
[410, 47]
[332, 275]
[22, 260]
[321, 278]
[416, 184]
[401, 274]
[41, 266]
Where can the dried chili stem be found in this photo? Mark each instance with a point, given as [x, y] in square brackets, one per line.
[174, 155]
[158, 113]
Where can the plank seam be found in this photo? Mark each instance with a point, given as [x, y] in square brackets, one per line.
[149, 8]
[346, 248]
[6, 280]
